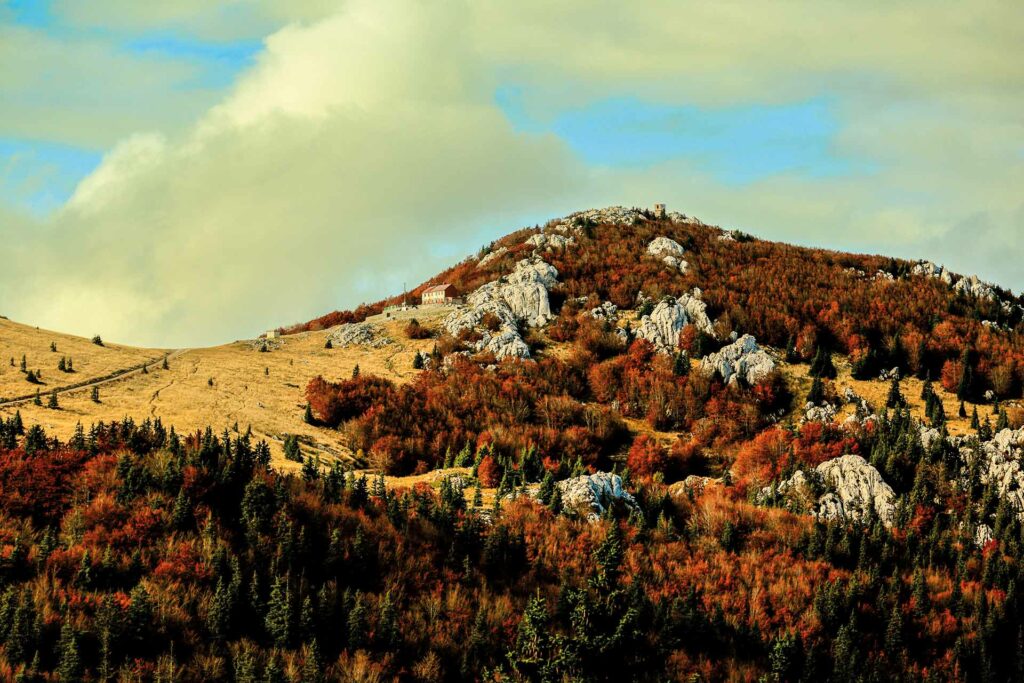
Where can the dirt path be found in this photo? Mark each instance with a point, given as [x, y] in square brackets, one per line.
[100, 381]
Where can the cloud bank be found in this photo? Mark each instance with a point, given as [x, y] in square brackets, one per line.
[365, 146]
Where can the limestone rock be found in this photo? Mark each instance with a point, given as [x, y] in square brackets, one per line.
[491, 256]
[972, 286]
[590, 495]
[670, 252]
[857, 490]
[743, 359]
[663, 325]
[823, 413]
[363, 334]
[845, 488]
[982, 535]
[606, 311]
[929, 269]
[522, 296]
[546, 241]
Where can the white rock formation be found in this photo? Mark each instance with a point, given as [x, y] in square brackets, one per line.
[670, 252]
[823, 413]
[546, 241]
[982, 535]
[929, 269]
[521, 296]
[590, 495]
[857, 489]
[1000, 464]
[364, 334]
[854, 490]
[606, 311]
[491, 256]
[972, 286]
[743, 359]
[663, 325]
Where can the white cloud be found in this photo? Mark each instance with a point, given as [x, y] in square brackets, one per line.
[361, 139]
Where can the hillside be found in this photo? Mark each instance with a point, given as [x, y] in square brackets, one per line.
[638, 448]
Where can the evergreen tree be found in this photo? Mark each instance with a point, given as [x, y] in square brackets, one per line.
[963, 410]
[417, 361]
[681, 365]
[895, 398]
[817, 393]
[355, 371]
[70, 666]
[52, 403]
[95, 394]
[308, 416]
[165, 366]
[278, 620]
[822, 365]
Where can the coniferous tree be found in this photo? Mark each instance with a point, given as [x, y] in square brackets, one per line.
[963, 410]
[52, 403]
[817, 393]
[895, 398]
[95, 394]
[822, 365]
[70, 666]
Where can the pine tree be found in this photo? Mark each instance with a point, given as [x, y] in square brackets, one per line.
[308, 416]
[895, 398]
[975, 422]
[95, 394]
[279, 618]
[963, 410]
[52, 403]
[70, 665]
[37, 400]
[165, 366]
[532, 640]
[328, 344]
[822, 365]
[355, 371]
[1003, 422]
[417, 361]
[817, 393]
[681, 365]
[358, 627]
[218, 618]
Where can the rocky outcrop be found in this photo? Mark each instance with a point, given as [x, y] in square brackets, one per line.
[823, 413]
[858, 491]
[845, 488]
[972, 286]
[590, 495]
[741, 360]
[1000, 464]
[662, 326]
[520, 297]
[363, 334]
[929, 269]
[670, 252]
[546, 241]
[606, 311]
[491, 256]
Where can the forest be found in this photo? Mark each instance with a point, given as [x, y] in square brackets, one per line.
[132, 552]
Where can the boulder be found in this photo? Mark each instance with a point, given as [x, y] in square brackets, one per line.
[663, 325]
[845, 488]
[929, 269]
[546, 241]
[590, 495]
[606, 311]
[823, 413]
[364, 334]
[670, 252]
[743, 359]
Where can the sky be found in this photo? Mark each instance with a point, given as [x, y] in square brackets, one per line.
[193, 172]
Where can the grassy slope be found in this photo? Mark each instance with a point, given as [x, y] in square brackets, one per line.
[264, 390]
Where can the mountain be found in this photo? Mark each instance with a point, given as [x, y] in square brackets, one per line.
[638, 447]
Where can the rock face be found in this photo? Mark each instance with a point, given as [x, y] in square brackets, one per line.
[929, 269]
[521, 297]
[590, 495]
[743, 359]
[1000, 465]
[972, 286]
[546, 241]
[670, 252]
[853, 490]
[663, 325]
[822, 413]
[858, 490]
[491, 256]
[364, 334]
[606, 311]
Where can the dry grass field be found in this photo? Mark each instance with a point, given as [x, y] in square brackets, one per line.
[237, 386]
[222, 386]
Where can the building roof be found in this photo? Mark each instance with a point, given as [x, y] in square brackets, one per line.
[437, 288]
